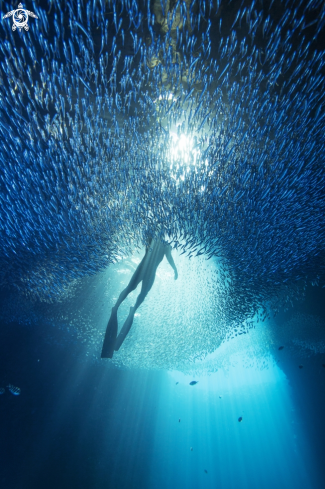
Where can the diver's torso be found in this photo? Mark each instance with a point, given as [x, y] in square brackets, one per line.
[154, 254]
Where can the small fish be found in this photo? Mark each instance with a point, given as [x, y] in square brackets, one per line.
[220, 397]
[281, 347]
[323, 365]
[191, 449]
[279, 146]
[2, 390]
[179, 420]
[240, 419]
[301, 366]
[205, 470]
[194, 382]
[177, 383]
[14, 390]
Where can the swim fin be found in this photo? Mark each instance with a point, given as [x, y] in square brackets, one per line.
[124, 331]
[110, 335]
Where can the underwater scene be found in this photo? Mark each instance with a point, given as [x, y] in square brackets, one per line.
[162, 244]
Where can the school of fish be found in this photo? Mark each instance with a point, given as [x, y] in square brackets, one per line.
[201, 122]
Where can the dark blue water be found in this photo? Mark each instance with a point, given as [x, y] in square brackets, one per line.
[90, 167]
[81, 424]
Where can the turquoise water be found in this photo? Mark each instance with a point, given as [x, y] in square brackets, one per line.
[81, 422]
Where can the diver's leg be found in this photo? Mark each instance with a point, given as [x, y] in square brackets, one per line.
[146, 286]
[112, 326]
[147, 283]
[134, 282]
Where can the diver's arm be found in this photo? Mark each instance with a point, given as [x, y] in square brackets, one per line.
[171, 261]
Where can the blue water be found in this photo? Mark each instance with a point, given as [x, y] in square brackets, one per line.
[255, 417]
[79, 423]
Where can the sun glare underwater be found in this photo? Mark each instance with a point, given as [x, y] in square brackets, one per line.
[199, 124]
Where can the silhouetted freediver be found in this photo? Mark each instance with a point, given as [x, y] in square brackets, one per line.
[145, 272]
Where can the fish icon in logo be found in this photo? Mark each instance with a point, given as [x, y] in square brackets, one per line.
[20, 17]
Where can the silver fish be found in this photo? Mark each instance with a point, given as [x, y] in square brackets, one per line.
[14, 390]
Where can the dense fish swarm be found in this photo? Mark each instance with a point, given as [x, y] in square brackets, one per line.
[201, 122]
